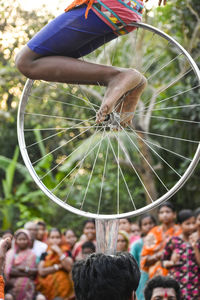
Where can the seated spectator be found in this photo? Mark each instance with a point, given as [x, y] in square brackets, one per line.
[41, 232]
[54, 269]
[107, 277]
[70, 238]
[5, 244]
[89, 232]
[146, 223]
[37, 247]
[87, 249]
[162, 288]
[122, 241]
[180, 257]
[20, 268]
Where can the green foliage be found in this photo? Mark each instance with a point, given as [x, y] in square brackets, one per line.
[20, 199]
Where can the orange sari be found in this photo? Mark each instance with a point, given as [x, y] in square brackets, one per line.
[155, 242]
[58, 284]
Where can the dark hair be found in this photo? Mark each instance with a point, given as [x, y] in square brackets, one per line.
[197, 212]
[41, 223]
[89, 245]
[144, 217]
[167, 204]
[88, 221]
[161, 282]
[106, 277]
[6, 231]
[184, 215]
[54, 229]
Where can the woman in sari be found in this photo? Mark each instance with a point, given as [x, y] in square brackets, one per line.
[54, 269]
[146, 223]
[20, 268]
[156, 239]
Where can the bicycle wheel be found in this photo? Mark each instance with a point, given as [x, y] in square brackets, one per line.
[95, 171]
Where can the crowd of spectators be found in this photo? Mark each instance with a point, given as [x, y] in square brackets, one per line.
[38, 264]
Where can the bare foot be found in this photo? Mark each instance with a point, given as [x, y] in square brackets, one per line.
[123, 82]
[126, 107]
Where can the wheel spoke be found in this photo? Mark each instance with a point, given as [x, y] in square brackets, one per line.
[128, 190]
[91, 174]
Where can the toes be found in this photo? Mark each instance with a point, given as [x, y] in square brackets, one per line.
[101, 114]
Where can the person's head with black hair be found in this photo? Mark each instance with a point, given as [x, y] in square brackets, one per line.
[54, 236]
[87, 249]
[125, 224]
[41, 227]
[7, 234]
[186, 219]
[162, 288]
[106, 277]
[197, 219]
[146, 223]
[167, 213]
[89, 229]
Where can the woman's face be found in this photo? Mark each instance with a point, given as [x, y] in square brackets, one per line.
[124, 225]
[54, 238]
[188, 226]
[135, 229]
[166, 215]
[147, 225]
[90, 231]
[22, 241]
[121, 243]
[40, 232]
[70, 237]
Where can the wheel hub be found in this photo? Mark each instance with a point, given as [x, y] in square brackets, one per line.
[112, 120]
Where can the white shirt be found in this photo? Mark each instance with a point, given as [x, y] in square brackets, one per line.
[39, 248]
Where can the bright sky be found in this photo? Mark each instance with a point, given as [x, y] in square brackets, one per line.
[54, 4]
[51, 4]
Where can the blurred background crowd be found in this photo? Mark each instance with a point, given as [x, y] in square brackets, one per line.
[39, 262]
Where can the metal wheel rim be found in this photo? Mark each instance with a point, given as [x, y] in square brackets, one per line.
[49, 194]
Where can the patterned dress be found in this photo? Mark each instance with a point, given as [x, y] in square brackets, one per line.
[186, 272]
[117, 14]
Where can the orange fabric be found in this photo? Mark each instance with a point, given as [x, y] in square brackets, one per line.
[1, 287]
[58, 284]
[80, 2]
[155, 242]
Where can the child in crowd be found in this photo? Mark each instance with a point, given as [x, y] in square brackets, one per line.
[146, 223]
[89, 232]
[181, 257]
[87, 249]
[52, 54]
